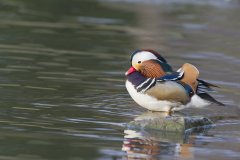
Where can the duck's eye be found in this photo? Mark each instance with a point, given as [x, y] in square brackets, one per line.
[139, 61]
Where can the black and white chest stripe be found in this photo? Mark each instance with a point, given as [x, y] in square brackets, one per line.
[142, 84]
[145, 85]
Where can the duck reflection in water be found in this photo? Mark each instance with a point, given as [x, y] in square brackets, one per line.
[144, 142]
[142, 147]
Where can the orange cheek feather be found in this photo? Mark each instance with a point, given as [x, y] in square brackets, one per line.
[151, 69]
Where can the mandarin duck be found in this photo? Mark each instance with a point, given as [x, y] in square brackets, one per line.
[152, 83]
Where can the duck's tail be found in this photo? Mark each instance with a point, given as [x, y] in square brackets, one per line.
[203, 88]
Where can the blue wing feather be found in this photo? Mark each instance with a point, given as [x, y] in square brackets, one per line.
[171, 77]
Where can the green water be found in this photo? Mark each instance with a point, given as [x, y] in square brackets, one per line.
[62, 64]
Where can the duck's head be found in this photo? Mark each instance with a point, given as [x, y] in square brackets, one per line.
[149, 63]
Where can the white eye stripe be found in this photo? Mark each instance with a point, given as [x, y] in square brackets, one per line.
[160, 61]
[143, 56]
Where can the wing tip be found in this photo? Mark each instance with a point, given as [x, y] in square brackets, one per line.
[207, 83]
[209, 98]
